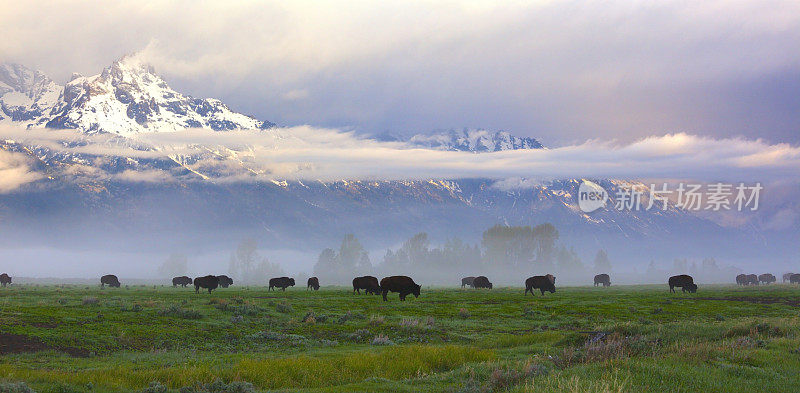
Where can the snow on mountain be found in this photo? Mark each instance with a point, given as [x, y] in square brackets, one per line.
[26, 96]
[127, 98]
[474, 140]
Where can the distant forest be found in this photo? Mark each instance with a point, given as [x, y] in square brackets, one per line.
[505, 254]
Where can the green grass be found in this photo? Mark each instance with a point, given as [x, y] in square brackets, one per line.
[723, 338]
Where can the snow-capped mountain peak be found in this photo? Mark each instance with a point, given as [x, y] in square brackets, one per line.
[126, 98]
[474, 140]
[26, 96]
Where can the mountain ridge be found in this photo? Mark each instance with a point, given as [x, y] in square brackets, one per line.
[126, 98]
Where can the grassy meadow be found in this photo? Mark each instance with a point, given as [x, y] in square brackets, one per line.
[245, 339]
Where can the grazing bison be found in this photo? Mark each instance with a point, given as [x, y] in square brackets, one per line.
[766, 278]
[794, 278]
[225, 281]
[5, 279]
[210, 282]
[402, 284]
[313, 283]
[542, 283]
[481, 282]
[741, 279]
[604, 279]
[110, 280]
[787, 276]
[467, 281]
[280, 282]
[182, 281]
[684, 281]
[368, 283]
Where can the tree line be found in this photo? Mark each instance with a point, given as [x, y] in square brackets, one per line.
[503, 250]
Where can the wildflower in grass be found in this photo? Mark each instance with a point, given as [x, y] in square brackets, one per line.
[376, 320]
[179, 312]
[284, 307]
[15, 387]
[381, 340]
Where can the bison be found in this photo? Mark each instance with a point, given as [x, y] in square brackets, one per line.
[752, 279]
[225, 281]
[604, 279]
[481, 282]
[110, 280]
[402, 284]
[767, 278]
[542, 283]
[684, 281]
[741, 279]
[313, 283]
[5, 279]
[368, 283]
[182, 281]
[280, 282]
[210, 282]
[787, 276]
[794, 278]
[467, 281]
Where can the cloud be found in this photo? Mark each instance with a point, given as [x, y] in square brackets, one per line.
[309, 153]
[560, 71]
[15, 171]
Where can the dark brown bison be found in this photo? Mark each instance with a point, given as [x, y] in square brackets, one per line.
[481, 282]
[604, 279]
[280, 282]
[794, 278]
[787, 276]
[368, 283]
[210, 282]
[182, 281]
[402, 284]
[313, 283]
[467, 281]
[741, 279]
[225, 281]
[542, 283]
[110, 280]
[752, 279]
[766, 278]
[684, 281]
[5, 279]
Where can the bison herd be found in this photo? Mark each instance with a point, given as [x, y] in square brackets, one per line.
[766, 278]
[404, 285]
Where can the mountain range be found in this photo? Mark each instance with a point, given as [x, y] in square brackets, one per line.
[128, 98]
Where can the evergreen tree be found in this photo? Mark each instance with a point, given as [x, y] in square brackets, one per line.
[601, 262]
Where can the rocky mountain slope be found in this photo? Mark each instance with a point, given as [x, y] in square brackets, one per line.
[84, 197]
[127, 98]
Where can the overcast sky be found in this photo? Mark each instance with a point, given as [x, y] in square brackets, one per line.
[562, 72]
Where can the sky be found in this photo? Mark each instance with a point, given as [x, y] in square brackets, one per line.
[562, 72]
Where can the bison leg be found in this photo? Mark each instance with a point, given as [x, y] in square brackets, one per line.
[384, 293]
